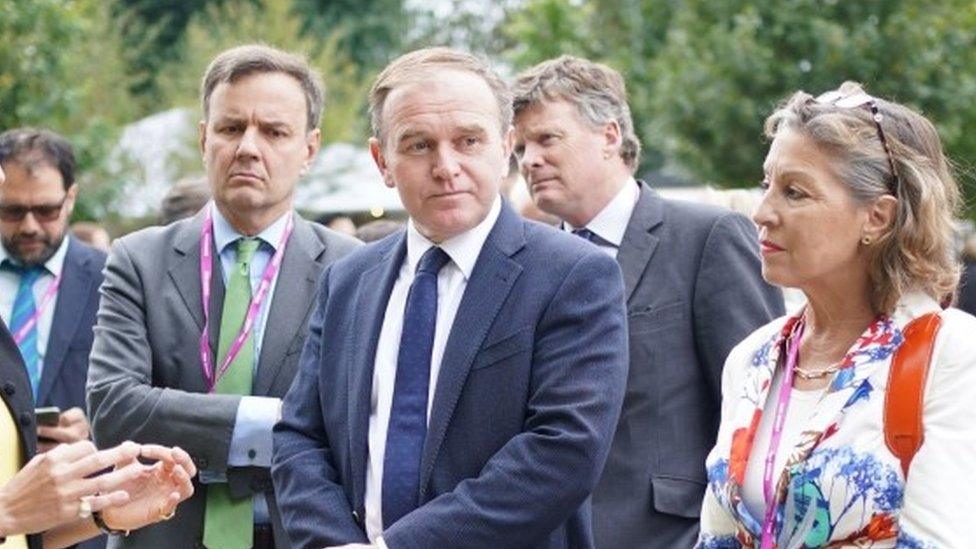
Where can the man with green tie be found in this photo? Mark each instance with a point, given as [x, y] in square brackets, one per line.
[202, 322]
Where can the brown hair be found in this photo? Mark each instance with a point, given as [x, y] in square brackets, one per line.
[598, 92]
[416, 66]
[242, 61]
[916, 252]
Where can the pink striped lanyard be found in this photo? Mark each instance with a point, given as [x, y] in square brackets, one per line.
[206, 274]
[769, 488]
[52, 291]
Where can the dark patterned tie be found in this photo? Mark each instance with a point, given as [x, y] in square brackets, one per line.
[592, 237]
[408, 415]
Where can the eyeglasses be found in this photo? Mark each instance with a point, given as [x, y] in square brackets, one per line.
[861, 99]
[42, 212]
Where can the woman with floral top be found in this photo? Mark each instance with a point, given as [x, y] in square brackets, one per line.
[857, 213]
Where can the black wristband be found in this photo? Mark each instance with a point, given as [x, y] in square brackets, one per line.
[97, 517]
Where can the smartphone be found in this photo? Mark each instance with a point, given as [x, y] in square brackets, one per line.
[49, 416]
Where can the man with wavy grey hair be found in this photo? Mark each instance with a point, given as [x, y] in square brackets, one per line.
[693, 290]
[202, 321]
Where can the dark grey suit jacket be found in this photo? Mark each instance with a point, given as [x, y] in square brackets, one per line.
[693, 289]
[17, 397]
[145, 383]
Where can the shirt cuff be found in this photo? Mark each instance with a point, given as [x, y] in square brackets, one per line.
[250, 444]
[380, 543]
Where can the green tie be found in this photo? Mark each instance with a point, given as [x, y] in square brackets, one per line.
[228, 523]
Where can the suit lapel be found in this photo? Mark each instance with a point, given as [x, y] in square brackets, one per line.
[492, 279]
[372, 296]
[291, 302]
[639, 242]
[185, 274]
[76, 283]
[185, 271]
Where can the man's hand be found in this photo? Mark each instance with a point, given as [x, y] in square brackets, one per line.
[72, 427]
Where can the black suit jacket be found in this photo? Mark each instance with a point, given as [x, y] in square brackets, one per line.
[16, 394]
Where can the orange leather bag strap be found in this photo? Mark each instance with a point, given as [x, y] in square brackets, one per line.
[904, 398]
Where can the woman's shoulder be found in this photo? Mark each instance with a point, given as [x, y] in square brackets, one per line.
[742, 353]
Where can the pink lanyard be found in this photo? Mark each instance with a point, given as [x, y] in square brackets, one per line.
[52, 290]
[779, 419]
[206, 274]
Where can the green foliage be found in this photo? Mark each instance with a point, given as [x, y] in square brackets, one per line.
[702, 75]
[152, 33]
[272, 22]
[544, 29]
[369, 32]
[61, 70]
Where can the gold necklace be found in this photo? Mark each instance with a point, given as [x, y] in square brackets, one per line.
[816, 374]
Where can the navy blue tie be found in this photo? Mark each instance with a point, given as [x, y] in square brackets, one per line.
[592, 237]
[408, 416]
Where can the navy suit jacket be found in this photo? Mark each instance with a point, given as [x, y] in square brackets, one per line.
[66, 359]
[530, 388]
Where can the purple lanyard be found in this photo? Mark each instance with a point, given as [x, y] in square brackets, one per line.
[769, 489]
[206, 274]
[52, 290]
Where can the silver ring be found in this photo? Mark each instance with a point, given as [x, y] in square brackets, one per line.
[84, 508]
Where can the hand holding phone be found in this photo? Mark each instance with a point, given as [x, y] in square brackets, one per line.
[49, 416]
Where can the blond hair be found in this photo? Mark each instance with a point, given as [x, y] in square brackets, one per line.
[916, 251]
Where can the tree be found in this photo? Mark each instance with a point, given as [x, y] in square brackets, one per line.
[62, 71]
[703, 75]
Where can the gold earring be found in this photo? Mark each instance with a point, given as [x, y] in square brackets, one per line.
[866, 240]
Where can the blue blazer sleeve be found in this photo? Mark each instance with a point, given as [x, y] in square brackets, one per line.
[313, 505]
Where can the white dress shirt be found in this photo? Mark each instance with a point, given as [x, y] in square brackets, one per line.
[451, 282]
[10, 282]
[611, 223]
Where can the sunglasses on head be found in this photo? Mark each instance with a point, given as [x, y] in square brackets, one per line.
[41, 212]
[859, 100]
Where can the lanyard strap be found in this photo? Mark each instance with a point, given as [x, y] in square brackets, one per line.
[769, 489]
[52, 291]
[206, 274]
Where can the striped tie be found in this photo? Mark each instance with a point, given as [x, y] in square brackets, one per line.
[24, 309]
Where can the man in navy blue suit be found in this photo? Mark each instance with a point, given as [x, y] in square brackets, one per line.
[48, 280]
[461, 379]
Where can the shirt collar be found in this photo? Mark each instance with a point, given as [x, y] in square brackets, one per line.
[225, 234]
[611, 223]
[54, 264]
[463, 249]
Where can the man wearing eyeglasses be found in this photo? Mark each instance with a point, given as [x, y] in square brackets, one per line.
[48, 280]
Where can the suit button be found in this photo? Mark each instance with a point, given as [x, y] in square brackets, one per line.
[25, 419]
[9, 388]
[201, 462]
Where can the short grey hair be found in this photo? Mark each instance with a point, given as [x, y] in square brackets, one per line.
[415, 67]
[236, 63]
[597, 91]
